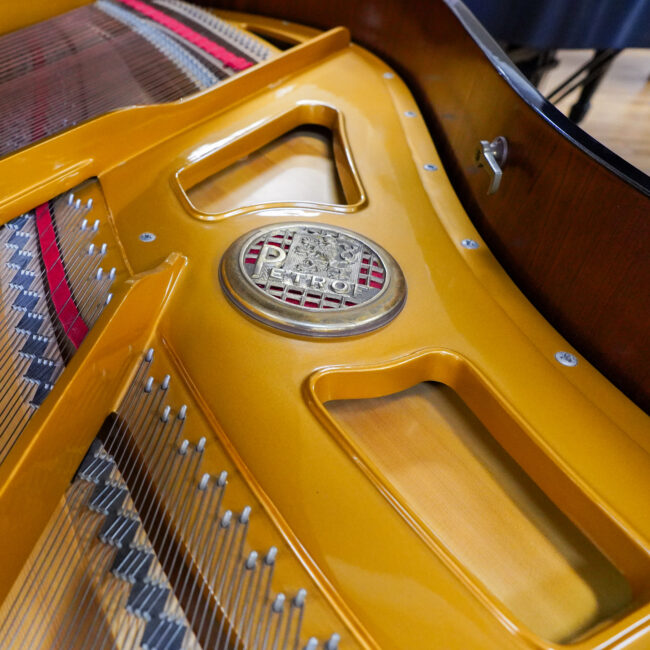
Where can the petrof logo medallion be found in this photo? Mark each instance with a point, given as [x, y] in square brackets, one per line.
[313, 279]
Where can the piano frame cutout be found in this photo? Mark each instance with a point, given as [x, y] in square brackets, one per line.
[583, 513]
[231, 149]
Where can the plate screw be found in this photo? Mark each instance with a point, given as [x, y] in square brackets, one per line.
[430, 167]
[147, 236]
[410, 113]
[469, 244]
[566, 359]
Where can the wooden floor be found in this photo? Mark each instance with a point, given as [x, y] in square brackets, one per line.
[620, 111]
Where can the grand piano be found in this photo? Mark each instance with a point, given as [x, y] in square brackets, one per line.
[321, 329]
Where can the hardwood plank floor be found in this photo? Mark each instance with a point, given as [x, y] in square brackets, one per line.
[619, 116]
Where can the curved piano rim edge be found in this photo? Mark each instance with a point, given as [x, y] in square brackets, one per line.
[518, 82]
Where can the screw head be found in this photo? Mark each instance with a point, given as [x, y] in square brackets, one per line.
[410, 113]
[147, 236]
[430, 167]
[566, 359]
[470, 244]
[388, 75]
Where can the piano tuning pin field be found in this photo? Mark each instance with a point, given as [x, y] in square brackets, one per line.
[51, 286]
[148, 577]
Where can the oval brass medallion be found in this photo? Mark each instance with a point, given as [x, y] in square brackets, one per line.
[313, 279]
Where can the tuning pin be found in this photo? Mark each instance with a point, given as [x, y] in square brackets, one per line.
[245, 515]
[278, 604]
[251, 561]
[299, 598]
[333, 642]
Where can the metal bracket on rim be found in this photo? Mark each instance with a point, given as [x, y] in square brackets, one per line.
[492, 156]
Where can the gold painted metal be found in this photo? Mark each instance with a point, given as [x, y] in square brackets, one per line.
[350, 522]
[237, 146]
[445, 466]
